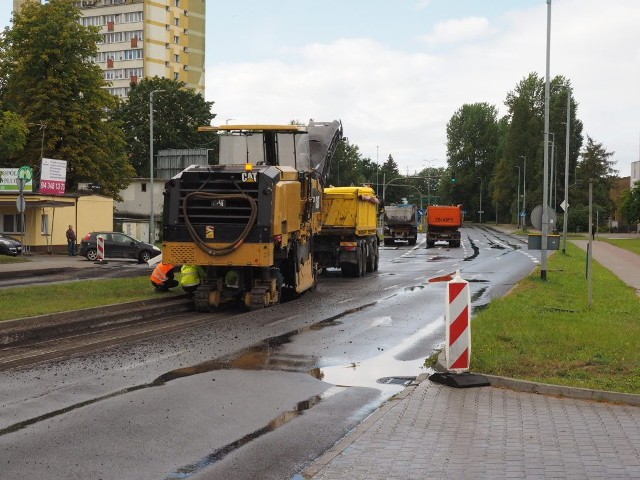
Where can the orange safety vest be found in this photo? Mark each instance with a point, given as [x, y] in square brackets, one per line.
[160, 273]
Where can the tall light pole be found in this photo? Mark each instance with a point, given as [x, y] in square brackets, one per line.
[480, 209]
[551, 168]
[524, 193]
[566, 176]
[152, 220]
[545, 179]
[377, 170]
[518, 199]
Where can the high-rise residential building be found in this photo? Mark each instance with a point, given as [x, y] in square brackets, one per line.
[147, 38]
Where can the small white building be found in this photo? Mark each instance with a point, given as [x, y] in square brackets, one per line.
[133, 214]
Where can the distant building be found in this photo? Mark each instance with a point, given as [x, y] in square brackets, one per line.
[147, 38]
[635, 173]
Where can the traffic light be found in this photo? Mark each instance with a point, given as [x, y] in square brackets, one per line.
[453, 179]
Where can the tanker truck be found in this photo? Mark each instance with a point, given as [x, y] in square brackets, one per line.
[443, 224]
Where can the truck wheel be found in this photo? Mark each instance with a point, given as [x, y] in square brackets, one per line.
[430, 244]
[349, 270]
[376, 259]
[412, 240]
[371, 258]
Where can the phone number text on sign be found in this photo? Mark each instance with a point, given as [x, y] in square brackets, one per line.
[51, 187]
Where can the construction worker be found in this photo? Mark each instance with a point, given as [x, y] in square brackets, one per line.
[190, 277]
[162, 277]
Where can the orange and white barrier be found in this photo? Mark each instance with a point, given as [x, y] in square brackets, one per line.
[458, 323]
[100, 249]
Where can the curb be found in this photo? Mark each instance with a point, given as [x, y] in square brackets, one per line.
[326, 458]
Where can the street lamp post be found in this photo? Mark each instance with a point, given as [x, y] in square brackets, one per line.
[377, 170]
[152, 221]
[566, 176]
[480, 209]
[524, 194]
[518, 198]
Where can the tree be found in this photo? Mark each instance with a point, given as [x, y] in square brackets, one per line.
[630, 204]
[595, 164]
[13, 135]
[473, 136]
[47, 76]
[178, 112]
[524, 138]
[347, 166]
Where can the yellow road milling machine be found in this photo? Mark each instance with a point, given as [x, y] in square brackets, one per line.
[250, 220]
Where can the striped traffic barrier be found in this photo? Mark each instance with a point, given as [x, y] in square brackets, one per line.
[100, 250]
[457, 350]
[458, 321]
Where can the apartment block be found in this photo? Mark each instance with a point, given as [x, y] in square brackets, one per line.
[147, 38]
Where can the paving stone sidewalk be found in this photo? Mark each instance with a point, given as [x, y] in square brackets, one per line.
[435, 431]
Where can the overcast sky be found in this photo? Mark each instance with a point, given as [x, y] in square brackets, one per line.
[395, 71]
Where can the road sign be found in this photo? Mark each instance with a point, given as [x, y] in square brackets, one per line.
[20, 204]
[25, 173]
[536, 217]
[564, 206]
[480, 211]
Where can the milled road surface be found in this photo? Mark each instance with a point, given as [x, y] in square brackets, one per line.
[247, 395]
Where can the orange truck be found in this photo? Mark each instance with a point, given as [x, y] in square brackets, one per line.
[443, 224]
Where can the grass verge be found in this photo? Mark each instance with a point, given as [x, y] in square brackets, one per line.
[23, 302]
[631, 244]
[544, 331]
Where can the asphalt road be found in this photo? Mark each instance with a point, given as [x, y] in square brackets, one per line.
[251, 394]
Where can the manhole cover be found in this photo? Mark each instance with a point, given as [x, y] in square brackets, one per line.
[396, 380]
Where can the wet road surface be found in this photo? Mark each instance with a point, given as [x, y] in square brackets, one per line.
[248, 395]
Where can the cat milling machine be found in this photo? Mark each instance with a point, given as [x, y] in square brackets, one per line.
[250, 220]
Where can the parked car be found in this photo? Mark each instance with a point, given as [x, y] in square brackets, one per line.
[117, 245]
[9, 246]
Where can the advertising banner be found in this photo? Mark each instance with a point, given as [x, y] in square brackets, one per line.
[8, 183]
[53, 176]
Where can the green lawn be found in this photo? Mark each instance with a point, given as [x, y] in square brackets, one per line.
[545, 331]
[631, 244]
[22, 302]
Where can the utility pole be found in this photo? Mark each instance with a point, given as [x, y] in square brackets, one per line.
[545, 179]
[152, 221]
[565, 217]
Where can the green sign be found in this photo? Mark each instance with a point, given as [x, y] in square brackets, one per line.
[25, 173]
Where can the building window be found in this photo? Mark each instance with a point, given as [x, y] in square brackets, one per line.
[176, 39]
[11, 224]
[44, 224]
[176, 58]
[176, 3]
[176, 76]
[144, 187]
[176, 22]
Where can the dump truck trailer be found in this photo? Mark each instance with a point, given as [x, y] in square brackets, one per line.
[400, 223]
[348, 236]
[443, 224]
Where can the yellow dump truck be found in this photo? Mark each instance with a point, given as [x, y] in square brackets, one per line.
[347, 239]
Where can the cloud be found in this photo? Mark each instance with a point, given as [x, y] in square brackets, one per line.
[401, 101]
[457, 31]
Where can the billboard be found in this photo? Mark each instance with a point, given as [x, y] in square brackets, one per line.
[53, 176]
[8, 184]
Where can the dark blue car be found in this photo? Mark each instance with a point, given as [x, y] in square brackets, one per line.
[9, 246]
